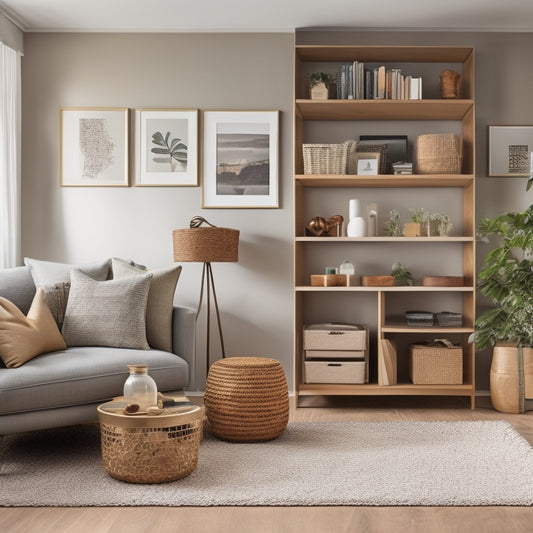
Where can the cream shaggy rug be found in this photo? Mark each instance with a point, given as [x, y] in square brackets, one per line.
[360, 463]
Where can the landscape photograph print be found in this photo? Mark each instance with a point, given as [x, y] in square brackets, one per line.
[240, 159]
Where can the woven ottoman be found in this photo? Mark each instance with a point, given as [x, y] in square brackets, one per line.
[246, 399]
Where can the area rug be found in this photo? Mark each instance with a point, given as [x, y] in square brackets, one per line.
[359, 463]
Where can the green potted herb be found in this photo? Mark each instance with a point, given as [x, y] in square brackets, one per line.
[507, 280]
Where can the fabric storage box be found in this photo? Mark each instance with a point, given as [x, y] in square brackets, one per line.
[439, 153]
[436, 363]
[335, 372]
[324, 158]
[350, 337]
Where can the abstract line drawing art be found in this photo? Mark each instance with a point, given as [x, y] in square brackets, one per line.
[166, 147]
[510, 151]
[94, 147]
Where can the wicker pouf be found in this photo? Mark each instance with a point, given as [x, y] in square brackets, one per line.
[246, 399]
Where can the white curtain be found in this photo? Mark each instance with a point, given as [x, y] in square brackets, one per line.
[10, 134]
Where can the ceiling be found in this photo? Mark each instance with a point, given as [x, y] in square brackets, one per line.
[267, 15]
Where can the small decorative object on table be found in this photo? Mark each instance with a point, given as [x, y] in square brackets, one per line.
[335, 225]
[320, 84]
[356, 225]
[317, 226]
[140, 389]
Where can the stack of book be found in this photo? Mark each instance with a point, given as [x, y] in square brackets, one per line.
[377, 83]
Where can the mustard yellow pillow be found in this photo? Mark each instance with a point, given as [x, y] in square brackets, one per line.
[23, 338]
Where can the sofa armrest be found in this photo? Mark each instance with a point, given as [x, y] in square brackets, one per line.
[184, 338]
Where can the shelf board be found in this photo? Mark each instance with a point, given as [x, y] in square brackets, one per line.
[399, 240]
[360, 288]
[373, 389]
[386, 54]
[383, 109]
[436, 330]
[385, 180]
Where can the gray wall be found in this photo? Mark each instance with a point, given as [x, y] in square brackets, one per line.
[219, 71]
[204, 71]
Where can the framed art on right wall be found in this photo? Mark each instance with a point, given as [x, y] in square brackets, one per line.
[510, 151]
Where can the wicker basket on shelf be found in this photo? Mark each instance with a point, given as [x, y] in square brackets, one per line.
[439, 153]
[324, 158]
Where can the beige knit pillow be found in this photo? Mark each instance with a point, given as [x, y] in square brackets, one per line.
[160, 301]
[24, 337]
[106, 313]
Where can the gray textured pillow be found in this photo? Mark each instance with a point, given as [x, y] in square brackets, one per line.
[48, 272]
[57, 297]
[160, 301]
[16, 285]
[107, 313]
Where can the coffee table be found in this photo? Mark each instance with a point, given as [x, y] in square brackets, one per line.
[150, 448]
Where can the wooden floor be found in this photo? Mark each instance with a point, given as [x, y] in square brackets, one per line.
[303, 519]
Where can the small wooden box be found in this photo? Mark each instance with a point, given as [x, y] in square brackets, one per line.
[351, 337]
[335, 371]
[435, 365]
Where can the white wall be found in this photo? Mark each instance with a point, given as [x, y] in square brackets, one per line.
[204, 71]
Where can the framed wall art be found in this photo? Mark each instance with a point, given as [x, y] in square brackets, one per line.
[240, 159]
[93, 147]
[166, 147]
[368, 163]
[510, 151]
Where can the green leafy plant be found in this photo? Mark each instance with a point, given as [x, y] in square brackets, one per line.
[321, 77]
[393, 227]
[507, 280]
[401, 275]
[176, 150]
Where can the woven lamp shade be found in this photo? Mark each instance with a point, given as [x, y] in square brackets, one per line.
[206, 245]
[246, 399]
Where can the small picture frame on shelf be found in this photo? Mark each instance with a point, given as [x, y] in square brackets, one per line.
[510, 151]
[367, 163]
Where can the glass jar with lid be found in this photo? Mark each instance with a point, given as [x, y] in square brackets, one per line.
[140, 388]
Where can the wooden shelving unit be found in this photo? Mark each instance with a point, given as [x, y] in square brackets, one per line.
[461, 110]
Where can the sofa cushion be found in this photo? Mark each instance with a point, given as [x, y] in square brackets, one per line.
[57, 297]
[48, 272]
[106, 313]
[23, 338]
[16, 284]
[160, 300]
[83, 375]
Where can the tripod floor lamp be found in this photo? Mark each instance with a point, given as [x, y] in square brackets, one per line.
[206, 245]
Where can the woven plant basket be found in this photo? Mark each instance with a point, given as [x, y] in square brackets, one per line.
[246, 399]
[151, 449]
[439, 153]
[324, 158]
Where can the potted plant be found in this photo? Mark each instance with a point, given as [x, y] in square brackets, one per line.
[320, 84]
[507, 280]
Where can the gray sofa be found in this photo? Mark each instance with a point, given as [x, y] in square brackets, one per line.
[64, 387]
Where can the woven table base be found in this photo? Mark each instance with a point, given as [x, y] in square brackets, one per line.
[246, 399]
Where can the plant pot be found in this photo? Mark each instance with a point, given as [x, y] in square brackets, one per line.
[505, 391]
[319, 91]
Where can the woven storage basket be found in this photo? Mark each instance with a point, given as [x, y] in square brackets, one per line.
[246, 399]
[439, 153]
[436, 365]
[151, 449]
[324, 158]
